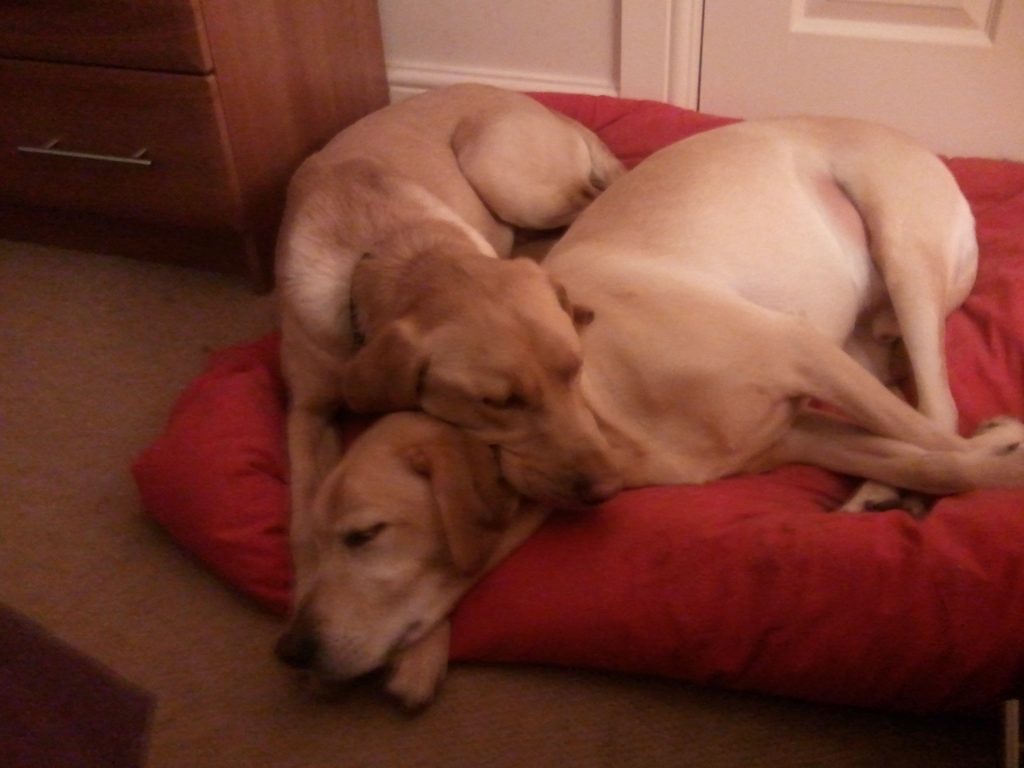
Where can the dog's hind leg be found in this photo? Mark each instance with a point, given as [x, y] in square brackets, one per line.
[921, 298]
[312, 441]
[993, 460]
[922, 291]
[313, 448]
[876, 345]
[825, 372]
[533, 168]
[921, 239]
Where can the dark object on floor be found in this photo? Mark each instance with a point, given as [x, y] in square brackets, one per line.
[61, 709]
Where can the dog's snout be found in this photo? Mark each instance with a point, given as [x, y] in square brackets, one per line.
[593, 491]
[297, 647]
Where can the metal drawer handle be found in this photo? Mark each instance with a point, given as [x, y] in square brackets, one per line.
[50, 148]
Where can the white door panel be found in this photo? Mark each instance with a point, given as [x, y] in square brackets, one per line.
[950, 72]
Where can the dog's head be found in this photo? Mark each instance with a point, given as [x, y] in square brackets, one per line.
[489, 345]
[412, 516]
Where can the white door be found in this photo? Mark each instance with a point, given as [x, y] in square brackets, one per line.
[949, 72]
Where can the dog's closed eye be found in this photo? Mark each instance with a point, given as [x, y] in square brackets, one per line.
[360, 537]
[505, 403]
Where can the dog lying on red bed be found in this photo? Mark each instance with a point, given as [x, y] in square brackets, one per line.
[726, 275]
[447, 176]
[412, 516]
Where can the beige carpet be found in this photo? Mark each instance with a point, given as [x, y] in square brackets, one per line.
[93, 350]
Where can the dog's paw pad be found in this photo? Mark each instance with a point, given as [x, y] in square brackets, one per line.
[418, 670]
[872, 496]
[917, 505]
[414, 688]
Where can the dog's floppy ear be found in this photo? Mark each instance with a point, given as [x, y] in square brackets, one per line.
[387, 373]
[473, 502]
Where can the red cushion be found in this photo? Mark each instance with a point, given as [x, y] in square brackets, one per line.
[746, 582]
[216, 478]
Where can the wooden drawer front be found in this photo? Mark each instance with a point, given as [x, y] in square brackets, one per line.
[153, 144]
[163, 35]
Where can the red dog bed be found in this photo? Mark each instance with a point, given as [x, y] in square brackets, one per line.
[747, 583]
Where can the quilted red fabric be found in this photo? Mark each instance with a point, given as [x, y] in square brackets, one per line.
[747, 583]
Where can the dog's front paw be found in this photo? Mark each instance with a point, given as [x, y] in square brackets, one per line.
[417, 671]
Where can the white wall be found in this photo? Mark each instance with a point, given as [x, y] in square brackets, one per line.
[959, 96]
[555, 45]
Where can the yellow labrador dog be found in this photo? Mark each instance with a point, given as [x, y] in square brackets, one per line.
[412, 516]
[425, 194]
[726, 274]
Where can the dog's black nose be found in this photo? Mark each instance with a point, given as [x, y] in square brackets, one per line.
[297, 648]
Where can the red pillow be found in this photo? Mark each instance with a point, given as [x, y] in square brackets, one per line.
[216, 478]
[747, 582]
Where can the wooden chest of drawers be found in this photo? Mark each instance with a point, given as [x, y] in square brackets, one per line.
[167, 129]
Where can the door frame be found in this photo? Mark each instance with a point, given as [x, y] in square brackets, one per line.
[660, 50]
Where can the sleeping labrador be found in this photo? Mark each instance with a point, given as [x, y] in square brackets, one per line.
[743, 272]
[410, 518]
[725, 275]
[422, 197]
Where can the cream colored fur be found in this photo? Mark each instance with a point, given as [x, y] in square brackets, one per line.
[733, 274]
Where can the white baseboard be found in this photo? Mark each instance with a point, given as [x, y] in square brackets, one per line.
[409, 78]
